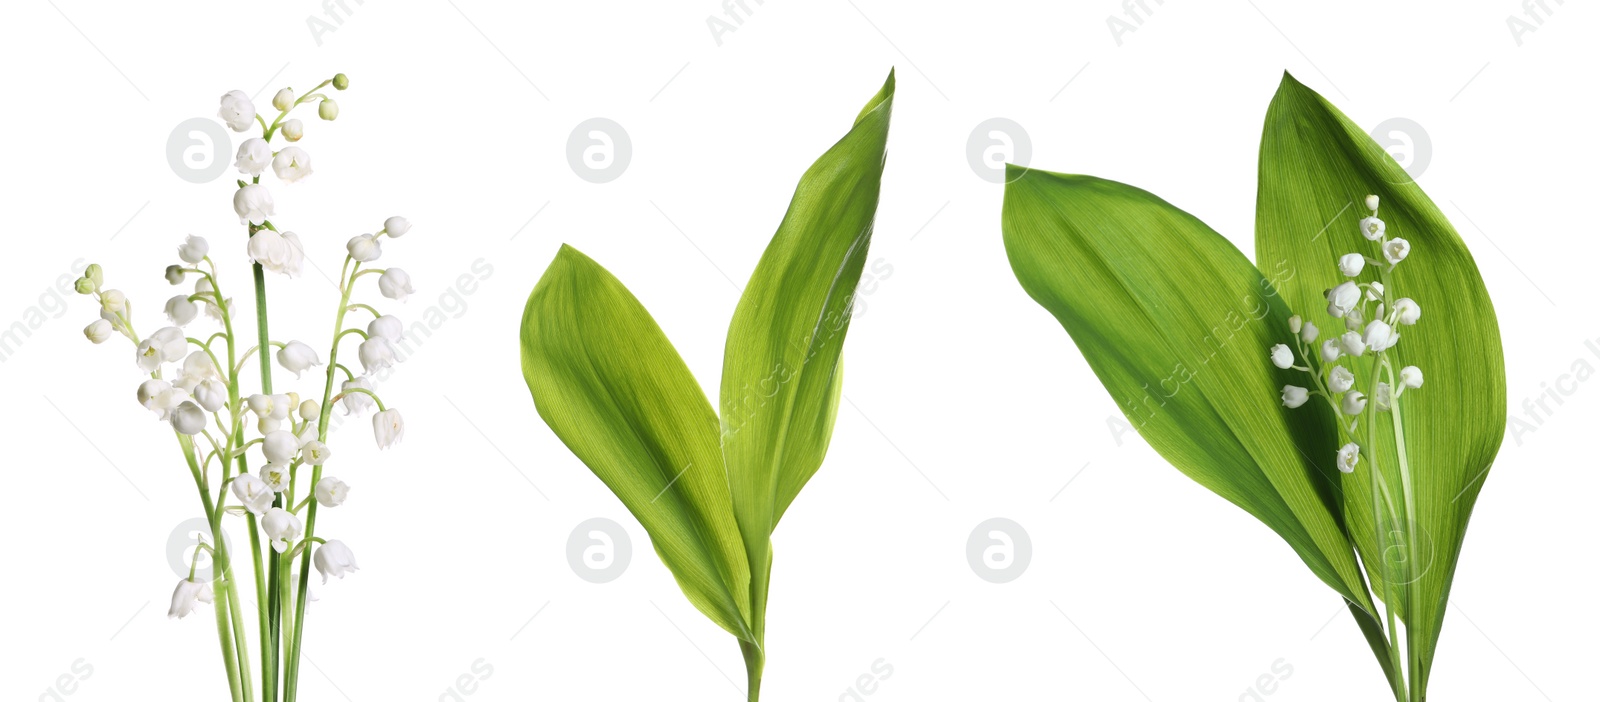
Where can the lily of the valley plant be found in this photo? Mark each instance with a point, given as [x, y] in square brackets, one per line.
[710, 489]
[260, 456]
[1294, 387]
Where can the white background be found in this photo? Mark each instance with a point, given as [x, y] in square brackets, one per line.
[966, 400]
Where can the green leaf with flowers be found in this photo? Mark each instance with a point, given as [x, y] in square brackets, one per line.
[1330, 439]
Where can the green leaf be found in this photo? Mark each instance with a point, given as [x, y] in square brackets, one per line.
[610, 384]
[1316, 168]
[1177, 323]
[781, 373]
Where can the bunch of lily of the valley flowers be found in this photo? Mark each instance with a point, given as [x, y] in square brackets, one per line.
[1368, 332]
[195, 385]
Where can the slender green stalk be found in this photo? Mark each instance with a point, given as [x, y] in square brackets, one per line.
[754, 661]
[219, 598]
[292, 679]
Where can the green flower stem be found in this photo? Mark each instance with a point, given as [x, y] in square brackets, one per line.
[754, 661]
[273, 602]
[228, 620]
[292, 679]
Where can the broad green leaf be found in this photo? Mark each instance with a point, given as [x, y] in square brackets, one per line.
[1176, 323]
[607, 380]
[781, 375]
[1316, 168]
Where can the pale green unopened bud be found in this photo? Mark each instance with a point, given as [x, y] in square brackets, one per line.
[328, 110]
[84, 286]
[283, 100]
[94, 273]
[341, 81]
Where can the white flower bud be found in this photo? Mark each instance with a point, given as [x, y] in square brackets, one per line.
[296, 357]
[1372, 228]
[388, 428]
[291, 164]
[1282, 357]
[253, 204]
[252, 493]
[193, 250]
[1294, 324]
[1352, 343]
[149, 390]
[237, 110]
[1294, 396]
[184, 598]
[254, 156]
[113, 301]
[293, 129]
[1372, 203]
[310, 410]
[211, 394]
[283, 100]
[98, 331]
[1395, 250]
[1308, 333]
[1411, 377]
[1351, 264]
[188, 418]
[1349, 456]
[280, 446]
[282, 527]
[1380, 336]
[1331, 351]
[328, 110]
[335, 559]
[175, 274]
[396, 227]
[376, 354]
[364, 248]
[331, 491]
[1340, 379]
[1354, 402]
[395, 284]
[1343, 298]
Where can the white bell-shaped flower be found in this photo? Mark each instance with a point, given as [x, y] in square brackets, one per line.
[364, 248]
[186, 596]
[253, 203]
[1294, 396]
[237, 110]
[1282, 357]
[283, 100]
[376, 353]
[388, 428]
[1351, 264]
[1343, 298]
[356, 402]
[315, 452]
[1395, 250]
[280, 446]
[188, 418]
[293, 129]
[1354, 402]
[1383, 397]
[180, 310]
[1372, 228]
[387, 327]
[1407, 311]
[395, 284]
[331, 491]
[291, 164]
[1349, 456]
[1331, 350]
[1308, 333]
[277, 252]
[1340, 379]
[282, 527]
[1380, 336]
[252, 493]
[1372, 203]
[335, 559]
[1351, 343]
[211, 394]
[1411, 377]
[396, 227]
[254, 156]
[194, 249]
[296, 357]
[98, 331]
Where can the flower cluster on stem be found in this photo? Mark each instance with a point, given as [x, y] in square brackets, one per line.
[195, 383]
